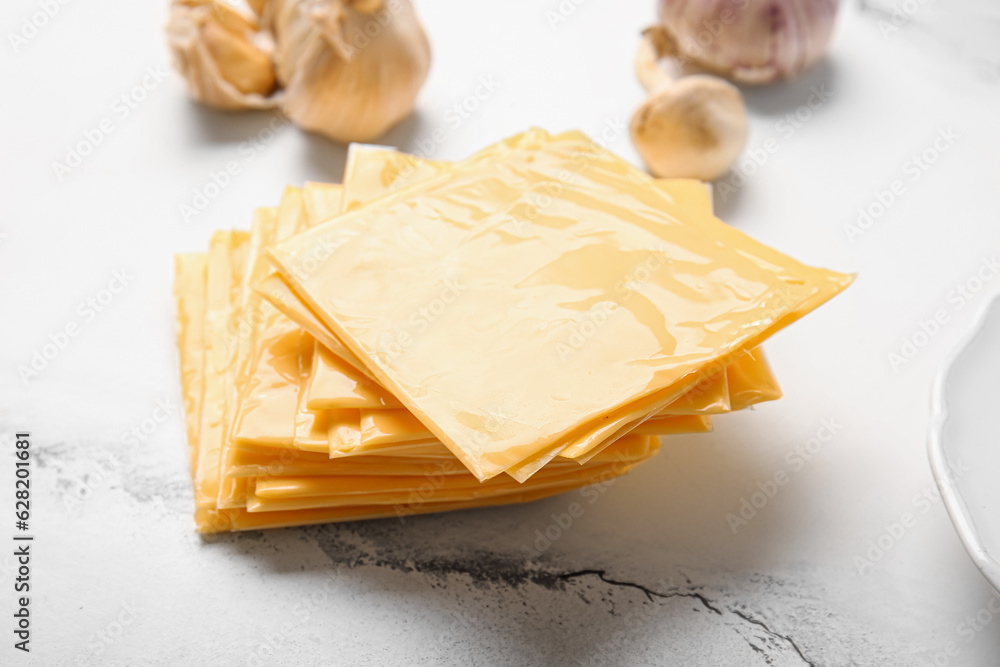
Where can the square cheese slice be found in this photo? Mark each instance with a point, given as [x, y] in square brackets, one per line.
[458, 293]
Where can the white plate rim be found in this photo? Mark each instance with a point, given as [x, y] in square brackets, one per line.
[947, 483]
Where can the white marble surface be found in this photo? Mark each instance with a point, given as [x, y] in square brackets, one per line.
[120, 576]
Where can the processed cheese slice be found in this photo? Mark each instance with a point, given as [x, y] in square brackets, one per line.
[226, 256]
[751, 380]
[189, 292]
[257, 465]
[674, 425]
[343, 432]
[277, 463]
[385, 453]
[335, 384]
[260, 460]
[387, 426]
[371, 171]
[213, 521]
[311, 426]
[270, 401]
[394, 426]
[268, 410]
[601, 238]
[338, 491]
[322, 201]
[367, 179]
[425, 492]
[250, 309]
[274, 288]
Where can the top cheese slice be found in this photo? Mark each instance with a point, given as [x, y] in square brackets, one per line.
[374, 171]
[460, 293]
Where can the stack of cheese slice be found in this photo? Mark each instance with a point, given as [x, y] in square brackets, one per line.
[433, 336]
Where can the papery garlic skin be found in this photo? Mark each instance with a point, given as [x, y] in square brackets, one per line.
[349, 70]
[749, 41]
[222, 54]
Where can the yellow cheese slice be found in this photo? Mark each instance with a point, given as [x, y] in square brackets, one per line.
[418, 433]
[748, 394]
[687, 192]
[267, 412]
[311, 426]
[403, 497]
[375, 171]
[269, 465]
[674, 425]
[395, 426]
[335, 384]
[371, 171]
[322, 201]
[270, 401]
[213, 521]
[751, 380]
[345, 486]
[189, 293]
[251, 309]
[433, 449]
[274, 288]
[710, 396]
[279, 462]
[296, 493]
[269, 224]
[601, 238]
[226, 257]
[387, 426]
[344, 431]
[257, 465]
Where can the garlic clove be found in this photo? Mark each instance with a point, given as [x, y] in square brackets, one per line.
[695, 127]
[257, 6]
[239, 62]
[365, 6]
[223, 57]
[349, 74]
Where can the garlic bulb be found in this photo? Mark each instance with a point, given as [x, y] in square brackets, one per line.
[694, 127]
[750, 41]
[222, 53]
[349, 70]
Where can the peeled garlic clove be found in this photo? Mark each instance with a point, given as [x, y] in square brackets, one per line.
[750, 41]
[695, 127]
[221, 53]
[350, 70]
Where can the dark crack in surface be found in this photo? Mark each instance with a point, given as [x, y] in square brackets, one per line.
[602, 575]
[352, 547]
[344, 545]
[749, 619]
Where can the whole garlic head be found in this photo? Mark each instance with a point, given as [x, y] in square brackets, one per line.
[750, 41]
[350, 69]
[222, 54]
